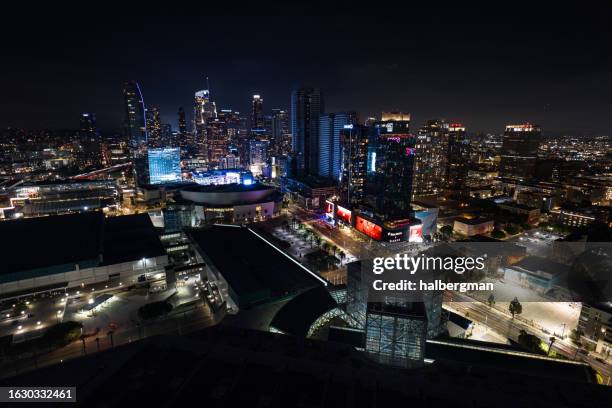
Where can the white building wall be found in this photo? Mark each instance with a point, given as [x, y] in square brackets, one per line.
[128, 273]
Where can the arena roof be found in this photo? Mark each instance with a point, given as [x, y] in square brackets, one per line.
[300, 313]
[255, 269]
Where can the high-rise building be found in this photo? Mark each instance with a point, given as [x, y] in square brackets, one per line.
[520, 151]
[182, 121]
[232, 122]
[457, 162]
[281, 132]
[217, 140]
[135, 123]
[164, 165]
[88, 125]
[306, 107]
[258, 152]
[89, 140]
[390, 169]
[330, 150]
[354, 142]
[257, 113]
[430, 160]
[154, 126]
[204, 110]
[167, 136]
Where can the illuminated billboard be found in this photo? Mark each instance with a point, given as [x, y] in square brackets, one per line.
[344, 214]
[416, 233]
[329, 208]
[369, 228]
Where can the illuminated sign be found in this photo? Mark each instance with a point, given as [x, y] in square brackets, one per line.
[416, 233]
[348, 126]
[369, 228]
[329, 208]
[344, 214]
[410, 151]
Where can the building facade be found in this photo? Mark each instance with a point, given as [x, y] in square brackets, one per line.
[520, 151]
[390, 169]
[164, 165]
[135, 121]
[306, 107]
[330, 147]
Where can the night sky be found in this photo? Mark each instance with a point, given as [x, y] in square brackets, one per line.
[483, 67]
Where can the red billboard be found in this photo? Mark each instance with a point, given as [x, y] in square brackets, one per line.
[344, 214]
[416, 233]
[329, 208]
[369, 228]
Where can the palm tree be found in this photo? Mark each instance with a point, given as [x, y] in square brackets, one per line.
[552, 341]
[325, 246]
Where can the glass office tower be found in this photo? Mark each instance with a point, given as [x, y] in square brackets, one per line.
[330, 147]
[391, 157]
[164, 165]
[135, 123]
[520, 151]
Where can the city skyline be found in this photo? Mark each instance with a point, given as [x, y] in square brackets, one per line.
[548, 69]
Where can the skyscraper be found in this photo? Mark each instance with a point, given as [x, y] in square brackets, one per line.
[354, 142]
[257, 113]
[330, 150]
[520, 150]
[164, 165]
[431, 156]
[89, 140]
[391, 154]
[87, 126]
[135, 123]
[204, 110]
[182, 121]
[458, 157]
[154, 126]
[306, 107]
[217, 140]
[281, 133]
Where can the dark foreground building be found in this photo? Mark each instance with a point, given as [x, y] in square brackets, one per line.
[229, 367]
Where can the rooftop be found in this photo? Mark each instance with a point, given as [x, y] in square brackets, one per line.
[302, 311]
[251, 264]
[223, 366]
[88, 239]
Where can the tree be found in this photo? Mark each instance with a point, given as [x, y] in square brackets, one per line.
[491, 300]
[61, 334]
[342, 255]
[447, 230]
[325, 246]
[575, 335]
[498, 234]
[530, 342]
[552, 341]
[515, 307]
